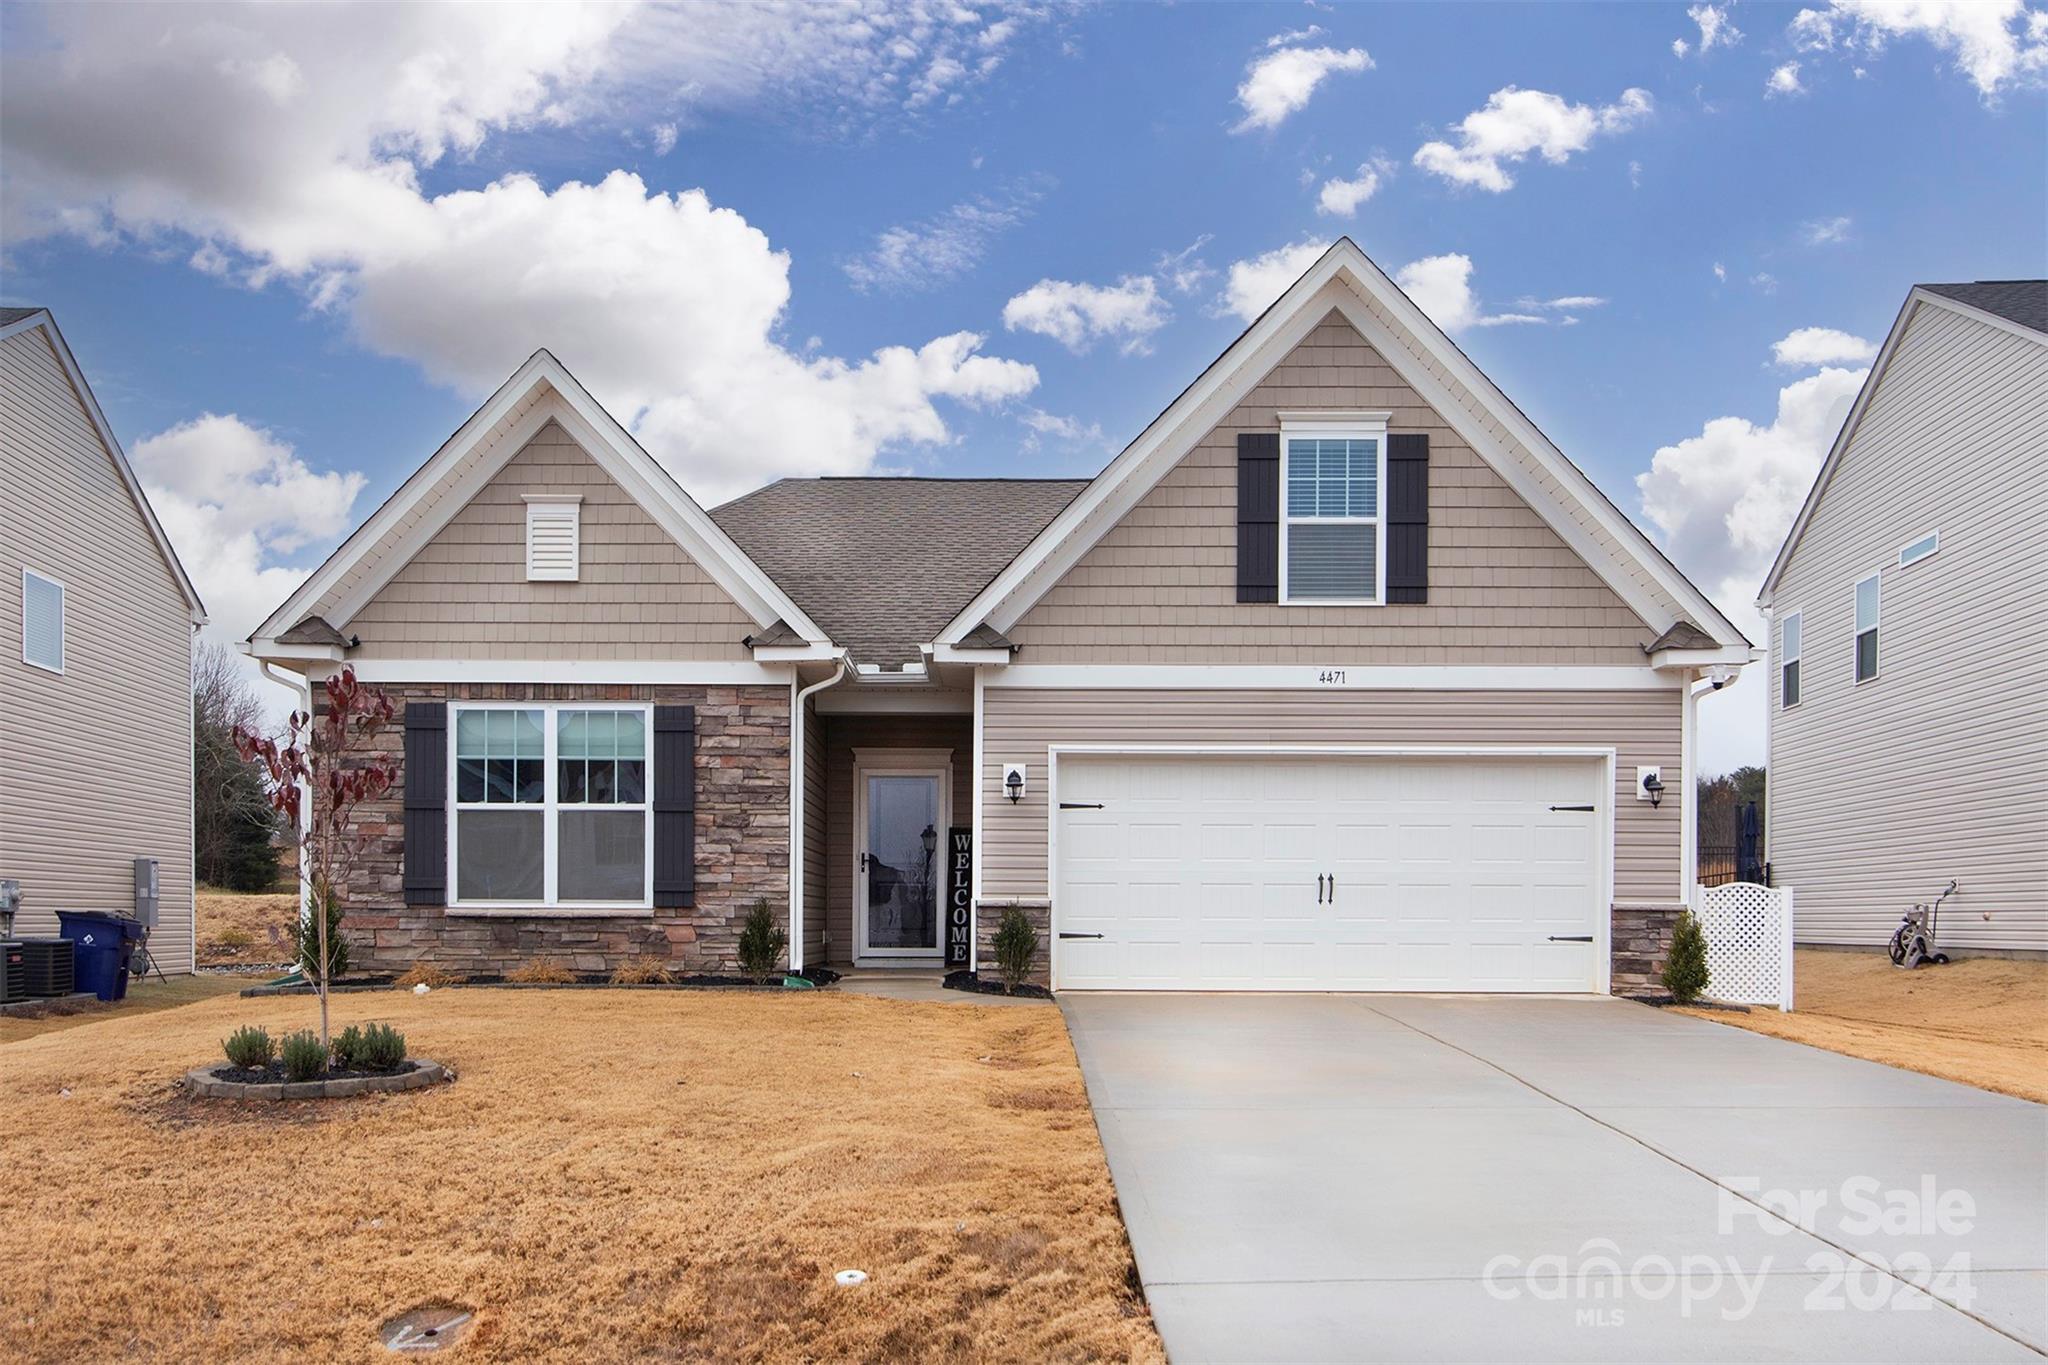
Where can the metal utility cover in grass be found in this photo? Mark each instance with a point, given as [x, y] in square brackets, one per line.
[429, 1327]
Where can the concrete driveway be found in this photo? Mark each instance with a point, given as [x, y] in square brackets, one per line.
[1326, 1178]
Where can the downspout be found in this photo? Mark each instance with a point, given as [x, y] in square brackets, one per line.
[1688, 763]
[796, 805]
[302, 687]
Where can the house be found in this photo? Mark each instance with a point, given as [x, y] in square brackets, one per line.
[98, 618]
[1909, 638]
[1340, 676]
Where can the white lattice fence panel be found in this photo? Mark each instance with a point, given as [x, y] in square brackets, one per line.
[1749, 942]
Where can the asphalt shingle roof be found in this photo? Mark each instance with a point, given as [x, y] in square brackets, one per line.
[883, 564]
[2021, 301]
[10, 316]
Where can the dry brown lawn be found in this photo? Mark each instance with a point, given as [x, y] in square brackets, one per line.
[1981, 1021]
[145, 995]
[673, 1175]
[238, 928]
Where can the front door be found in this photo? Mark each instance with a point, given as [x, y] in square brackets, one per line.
[899, 833]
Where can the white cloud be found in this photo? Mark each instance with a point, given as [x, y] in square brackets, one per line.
[917, 256]
[1442, 287]
[1721, 503]
[1042, 426]
[664, 138]
[1295, 35]
[1252, 285]
[1341, 198]
[1185, 271]
[1809, 346]
[1715, 30]
[1720, 272]
[1077, 315]
[1996, 43]
[236, 500]
[1825, 231]
[1765, 282]
[1564, 301]
[1282, 81]
[1784, 80]
[1516, 123]
[666, 305]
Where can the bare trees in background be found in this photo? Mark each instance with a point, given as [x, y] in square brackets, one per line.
[233, 823]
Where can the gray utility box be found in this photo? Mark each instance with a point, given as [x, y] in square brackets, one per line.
[146, 891]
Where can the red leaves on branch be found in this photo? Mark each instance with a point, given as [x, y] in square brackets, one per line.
[329, 756]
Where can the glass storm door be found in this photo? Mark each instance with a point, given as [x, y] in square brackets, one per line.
[897, 867]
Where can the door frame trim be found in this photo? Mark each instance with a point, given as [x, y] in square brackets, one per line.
[1603, 910]
[867, 762]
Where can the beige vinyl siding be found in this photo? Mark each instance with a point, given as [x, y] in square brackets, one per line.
[96, 763]
[844, 734]
[1021, 725]
[1161, 586]
[465, 594]
[1938, 768]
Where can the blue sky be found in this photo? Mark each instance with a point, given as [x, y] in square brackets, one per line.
[292, 249]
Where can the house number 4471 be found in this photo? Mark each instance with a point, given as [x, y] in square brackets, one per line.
[1331, 675]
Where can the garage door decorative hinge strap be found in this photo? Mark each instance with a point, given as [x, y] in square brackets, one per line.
[1583, 808]
[1080, 805]
[1065, 935]
[1571, 938]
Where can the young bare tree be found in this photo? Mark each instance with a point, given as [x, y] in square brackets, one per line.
[333, 759]
[234, 827]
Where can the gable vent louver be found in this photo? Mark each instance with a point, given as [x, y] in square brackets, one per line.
[553, 537]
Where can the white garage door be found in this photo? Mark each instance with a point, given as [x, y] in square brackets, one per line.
[1337, 873]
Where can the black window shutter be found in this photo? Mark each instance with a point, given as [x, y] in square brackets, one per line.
[426, 803]
[1408, 517]
[675, 807]
[1258, 516]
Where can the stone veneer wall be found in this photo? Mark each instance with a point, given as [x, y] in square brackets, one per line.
[1642, 938]
[742, 849]
[989, 918]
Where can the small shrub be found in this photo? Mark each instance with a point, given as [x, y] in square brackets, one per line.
[640, 971]
[234, 940]
[305, 931]
[541, 971]
[303, 1057]
[249, 1047]
[382, 1049]
[1685, 970]
[761, 942]
[427, 974]
[348, 1048]
[1016, 948]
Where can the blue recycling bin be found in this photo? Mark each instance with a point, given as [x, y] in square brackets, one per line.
[100, 948]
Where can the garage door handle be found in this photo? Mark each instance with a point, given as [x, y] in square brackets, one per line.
[1333, 888]
[1080, 936]
[1319, 888]
[1583, 808]
[1571, 938]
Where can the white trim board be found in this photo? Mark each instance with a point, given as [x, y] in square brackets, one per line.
[540, 390]
[1908, 312]
[1605, 755]
[42, 318]
[1344, 278]
[1318, 677]
[708, 673]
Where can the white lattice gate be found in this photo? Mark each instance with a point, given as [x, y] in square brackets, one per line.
[1749, 942]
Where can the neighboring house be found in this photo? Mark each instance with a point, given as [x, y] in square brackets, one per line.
[98, 619]
[1339, 677]
[1909, 638]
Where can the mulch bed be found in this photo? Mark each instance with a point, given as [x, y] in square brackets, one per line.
[968, 981]
[274, 1073]
[817, 976]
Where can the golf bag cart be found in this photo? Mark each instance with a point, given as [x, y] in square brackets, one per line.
[1917, 939]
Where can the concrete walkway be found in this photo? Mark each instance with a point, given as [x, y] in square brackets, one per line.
[1331, 1178]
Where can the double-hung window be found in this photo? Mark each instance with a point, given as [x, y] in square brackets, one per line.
[551, 806]
[1866, 628]
[1332, 548]
[1788, 653]
[42, 621]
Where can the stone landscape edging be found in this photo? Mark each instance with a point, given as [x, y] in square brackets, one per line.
[205, 1085]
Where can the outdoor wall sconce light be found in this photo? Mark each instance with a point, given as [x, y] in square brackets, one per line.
[1013, 782]
[931, 841]
[1651, 781]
